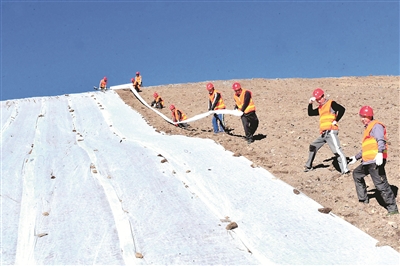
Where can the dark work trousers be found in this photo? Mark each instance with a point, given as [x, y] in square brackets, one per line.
[250, 124]
[183, 125]
[330, 137]
[378, 176]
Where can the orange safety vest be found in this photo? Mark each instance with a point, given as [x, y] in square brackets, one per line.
[103, 84]
[159, 100]
[176, 115]
[326, 117]
[370, 145]
[138, 80]
[220, 104]
[240, 100]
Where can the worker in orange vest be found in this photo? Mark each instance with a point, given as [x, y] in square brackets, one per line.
[103, 84]
[137, 82]
[244, 102]
[373, 154]
[216, 102]
[158, 102]
[178, 116]
[329, 112]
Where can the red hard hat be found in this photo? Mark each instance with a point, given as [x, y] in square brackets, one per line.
[366, 111]
[171, 107]
[155, 95]
[210, 86]
[318, 93]
[105, 78]
[236, 86]
[132, 79]
[138, 73]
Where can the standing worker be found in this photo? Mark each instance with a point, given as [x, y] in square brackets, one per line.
[216, 102]
[137, 82]
[373, 154]
[158, 102]
[244, 102]
[329, 113]
[178, 116]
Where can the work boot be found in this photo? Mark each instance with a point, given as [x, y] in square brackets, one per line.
[364, 201]
[393, 212]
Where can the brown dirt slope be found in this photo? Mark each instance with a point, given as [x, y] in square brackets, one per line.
[285, 132]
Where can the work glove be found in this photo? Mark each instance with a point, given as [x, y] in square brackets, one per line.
[379, 159]
[334, 123]
[312, 99]
[353, 160]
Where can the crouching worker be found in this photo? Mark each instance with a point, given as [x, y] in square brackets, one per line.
[158, 101]
[137, 82]
[103, 84]
[135, 85]
[178, 116]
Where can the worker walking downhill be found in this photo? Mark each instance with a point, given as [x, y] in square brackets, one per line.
[158, 102]
[137, 82]
[178, 116]
[330, 112]
[374, 155]
[244, 102]
[216, 102]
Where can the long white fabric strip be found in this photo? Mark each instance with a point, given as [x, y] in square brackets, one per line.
[192, 119]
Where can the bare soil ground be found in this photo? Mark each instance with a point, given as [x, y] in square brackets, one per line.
[286, 131]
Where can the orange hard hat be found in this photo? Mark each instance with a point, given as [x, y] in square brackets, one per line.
[318, 93]
[210, 86]
[138, 73]
[236, 86]
[171, 107]
[133, 79]
[105, 78]
[366, 111]
[155, 95]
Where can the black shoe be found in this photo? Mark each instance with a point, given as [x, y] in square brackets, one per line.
[249, 141]
[364, 201]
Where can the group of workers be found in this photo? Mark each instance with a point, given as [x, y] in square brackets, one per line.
[136, 82]
[243, 102]
[177, 115]
[373, 152]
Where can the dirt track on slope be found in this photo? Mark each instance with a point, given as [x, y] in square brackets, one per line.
[286, 131]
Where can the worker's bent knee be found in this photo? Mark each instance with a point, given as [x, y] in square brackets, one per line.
[313, 148]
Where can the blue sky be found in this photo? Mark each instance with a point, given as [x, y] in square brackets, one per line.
[51, 48]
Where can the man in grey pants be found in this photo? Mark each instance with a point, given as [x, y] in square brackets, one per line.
[330, 113]
[373, 155]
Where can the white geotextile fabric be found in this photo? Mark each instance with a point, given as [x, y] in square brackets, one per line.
[190, 119]
[85, 180]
